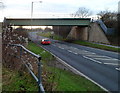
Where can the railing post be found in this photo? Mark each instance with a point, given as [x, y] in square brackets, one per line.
[20, 52]
[41, 89]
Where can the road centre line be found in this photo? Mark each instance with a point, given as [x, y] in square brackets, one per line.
[92, 59]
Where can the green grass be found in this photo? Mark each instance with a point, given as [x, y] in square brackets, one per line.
[64, 80]
[68, 81]
[96, 45]
[46, 56]
[16, 81]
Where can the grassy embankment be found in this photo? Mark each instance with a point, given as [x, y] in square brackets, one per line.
[84, 43]
[63, 80]
[67, 81]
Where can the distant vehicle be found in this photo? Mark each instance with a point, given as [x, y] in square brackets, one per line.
[45, 41]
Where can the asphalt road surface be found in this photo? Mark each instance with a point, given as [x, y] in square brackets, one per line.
[103, 67]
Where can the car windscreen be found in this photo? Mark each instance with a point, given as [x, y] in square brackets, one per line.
[46, 40]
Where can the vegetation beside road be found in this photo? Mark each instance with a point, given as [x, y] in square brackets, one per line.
[62, 80]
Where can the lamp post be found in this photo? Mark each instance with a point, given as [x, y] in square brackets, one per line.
[32, 10]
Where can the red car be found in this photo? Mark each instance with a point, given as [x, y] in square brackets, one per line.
[45, 42]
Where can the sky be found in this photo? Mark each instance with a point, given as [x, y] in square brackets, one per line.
[53, 8]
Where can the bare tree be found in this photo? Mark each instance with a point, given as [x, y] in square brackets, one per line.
[82, 12]
[109, 18]
[2, 6]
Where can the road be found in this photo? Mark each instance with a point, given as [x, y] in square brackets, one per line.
[103, 67]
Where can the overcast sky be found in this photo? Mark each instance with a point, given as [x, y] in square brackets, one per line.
[22, 8]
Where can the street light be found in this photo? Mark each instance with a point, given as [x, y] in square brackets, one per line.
[32, 10]
[32, 7]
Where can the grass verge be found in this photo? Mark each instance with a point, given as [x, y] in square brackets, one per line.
[64, 80]
[46, 56]
[17, 81]
[96, 45]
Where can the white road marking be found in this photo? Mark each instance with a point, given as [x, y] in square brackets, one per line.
[75, 53]
[107, 59]
[69, 51]
[54, 45]
[97, 56]
[83, 53]
[92, 59]
[75, 48]
[61, 47]
[112, 64]
[118, 69]
[72, 52]
[89, 55]
[86, 51]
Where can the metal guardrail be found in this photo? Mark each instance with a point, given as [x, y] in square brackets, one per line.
[39, 78]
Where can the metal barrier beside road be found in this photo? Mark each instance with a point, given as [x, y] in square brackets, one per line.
[38, 78]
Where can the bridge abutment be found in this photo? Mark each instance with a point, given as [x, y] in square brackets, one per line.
[78, 33]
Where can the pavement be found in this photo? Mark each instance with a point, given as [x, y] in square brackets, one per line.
[101, 66]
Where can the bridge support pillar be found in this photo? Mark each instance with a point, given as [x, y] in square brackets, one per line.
[78, 33]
